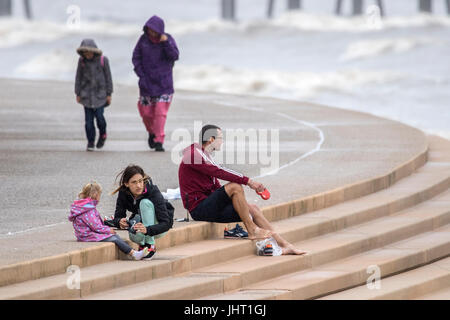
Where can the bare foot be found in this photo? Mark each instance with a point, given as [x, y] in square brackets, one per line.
[292, 250]
[259, 234]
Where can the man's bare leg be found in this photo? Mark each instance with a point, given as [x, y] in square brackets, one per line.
[261, 221]
[237, 195]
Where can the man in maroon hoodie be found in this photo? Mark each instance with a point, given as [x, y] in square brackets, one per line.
[207, 200]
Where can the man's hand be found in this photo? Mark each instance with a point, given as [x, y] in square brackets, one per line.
[78, 99]
[257, 186]
[108, 100]
[163, 38]
[123, 224]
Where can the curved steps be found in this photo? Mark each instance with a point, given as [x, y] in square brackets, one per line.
[432, 281]
[409, 211]
[251, 269]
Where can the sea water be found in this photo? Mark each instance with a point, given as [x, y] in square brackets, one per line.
[396, 67]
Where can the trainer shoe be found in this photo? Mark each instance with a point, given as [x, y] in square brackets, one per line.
[90, 146]
[101, 141]
[141, 254]
[235, 233]
[267, 250]
[151, 251]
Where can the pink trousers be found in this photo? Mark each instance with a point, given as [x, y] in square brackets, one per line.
[154, 117]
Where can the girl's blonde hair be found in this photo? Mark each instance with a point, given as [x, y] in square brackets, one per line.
[90, 190]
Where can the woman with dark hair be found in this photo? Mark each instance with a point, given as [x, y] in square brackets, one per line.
[152, 215]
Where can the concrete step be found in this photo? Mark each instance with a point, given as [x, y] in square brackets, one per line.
[443, 294]
[306, 226]
[405, 286]
[196, 231]
[194, 255]
[426, 183]
[251, 269]
[89, 280]
[419, 187]
[349, 272]
[350, 241]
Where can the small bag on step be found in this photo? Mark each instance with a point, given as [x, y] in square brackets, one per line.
[268, 247]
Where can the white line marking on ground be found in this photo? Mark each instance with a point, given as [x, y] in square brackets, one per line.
[31, 229]
[308, 124]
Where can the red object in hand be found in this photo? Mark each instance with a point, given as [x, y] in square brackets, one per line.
[265, 195]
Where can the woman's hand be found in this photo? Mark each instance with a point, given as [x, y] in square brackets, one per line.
[163, 38]
[111, 230]
[139, 227]
[123, 224]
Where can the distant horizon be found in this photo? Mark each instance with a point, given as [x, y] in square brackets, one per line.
[206, 9]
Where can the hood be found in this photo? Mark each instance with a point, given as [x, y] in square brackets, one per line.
[81, 206]
[155, 23]
[89, 45]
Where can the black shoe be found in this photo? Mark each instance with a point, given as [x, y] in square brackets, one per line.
[235, 233]
[101, 141]
[151, 141]
[159, 147]
[151, 251]
[90, 146]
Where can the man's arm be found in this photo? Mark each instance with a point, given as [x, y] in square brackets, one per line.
[209, 167]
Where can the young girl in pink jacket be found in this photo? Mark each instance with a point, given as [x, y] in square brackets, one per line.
[88, 225]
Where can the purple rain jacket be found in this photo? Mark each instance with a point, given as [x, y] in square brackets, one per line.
[153, 62]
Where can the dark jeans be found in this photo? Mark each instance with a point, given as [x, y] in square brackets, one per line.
[123, 246]
[89, 115]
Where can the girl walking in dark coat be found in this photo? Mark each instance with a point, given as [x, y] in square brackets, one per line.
[153, 59]
[93, 87]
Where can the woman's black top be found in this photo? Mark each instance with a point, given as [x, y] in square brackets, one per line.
[163, 209]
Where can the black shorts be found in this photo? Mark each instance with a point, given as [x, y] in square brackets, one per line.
[216, 208]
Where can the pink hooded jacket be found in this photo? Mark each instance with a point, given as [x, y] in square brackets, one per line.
[87, 223]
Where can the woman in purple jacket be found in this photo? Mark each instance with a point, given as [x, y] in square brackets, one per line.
[153, 59]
